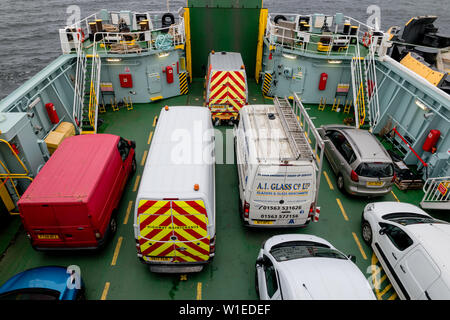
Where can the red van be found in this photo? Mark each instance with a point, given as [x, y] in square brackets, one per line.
[71, 203]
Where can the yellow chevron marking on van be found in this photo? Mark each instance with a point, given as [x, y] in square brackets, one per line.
[359, 246]
[328, 180]
[105, 291]
[342, 209]
[127, 215]
[116, 252]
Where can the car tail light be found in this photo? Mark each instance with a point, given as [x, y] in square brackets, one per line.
[246, 209]
[97, 235]
[138, 246]
[311, 210]
[394, 177]
[354, 176]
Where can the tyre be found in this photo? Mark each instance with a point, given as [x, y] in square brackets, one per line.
[133, 166]
[256, 284]
[340, 182]
[366, 232]
[113, 225]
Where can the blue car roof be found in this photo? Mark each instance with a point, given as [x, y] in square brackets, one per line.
[54, 278]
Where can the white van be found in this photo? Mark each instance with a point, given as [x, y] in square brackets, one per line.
[175, 216]
[277, 187]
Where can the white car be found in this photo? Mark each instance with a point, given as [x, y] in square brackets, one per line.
[306, 267]
[412, 247]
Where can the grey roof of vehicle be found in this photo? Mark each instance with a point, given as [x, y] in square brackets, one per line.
[367, 145]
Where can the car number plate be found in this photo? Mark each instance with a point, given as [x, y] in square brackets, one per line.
[48, 236]
[160, 258]
[375, 183]
[262, 222]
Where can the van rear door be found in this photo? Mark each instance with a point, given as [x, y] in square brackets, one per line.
[190, 223]
[75, 224]
[41, 223]
[283, 197]
[173, 230]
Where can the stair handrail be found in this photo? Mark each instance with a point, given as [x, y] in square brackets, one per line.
[79, 82]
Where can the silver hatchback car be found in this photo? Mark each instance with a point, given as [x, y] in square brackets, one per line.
[361, 163]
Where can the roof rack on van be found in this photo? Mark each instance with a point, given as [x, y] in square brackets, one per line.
[296, 135]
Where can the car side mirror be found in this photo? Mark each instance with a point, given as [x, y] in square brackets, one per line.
[382, 231]
[352, 258]
[259, 262]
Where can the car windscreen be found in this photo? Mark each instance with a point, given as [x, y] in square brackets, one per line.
[407, 218]
[303, 249]
[31, 294]
[375, 170]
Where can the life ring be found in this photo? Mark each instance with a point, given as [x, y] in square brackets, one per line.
[279, 17]
[82, 35]
[164, 23]
[367, 39]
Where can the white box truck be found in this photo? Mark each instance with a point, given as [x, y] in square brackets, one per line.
[226, 86]
[174, 218]
[279, 173]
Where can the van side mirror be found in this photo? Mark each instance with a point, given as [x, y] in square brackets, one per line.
[352, 258]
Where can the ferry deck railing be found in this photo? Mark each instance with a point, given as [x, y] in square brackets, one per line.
[80, 76]
[437, 193]
[135, 41]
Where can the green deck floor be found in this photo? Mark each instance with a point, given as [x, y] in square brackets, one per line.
[231, 273]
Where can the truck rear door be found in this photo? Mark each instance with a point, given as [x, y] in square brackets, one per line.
[227, 91]
[173, 230]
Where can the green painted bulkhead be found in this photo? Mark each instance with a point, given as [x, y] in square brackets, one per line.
[230, 25]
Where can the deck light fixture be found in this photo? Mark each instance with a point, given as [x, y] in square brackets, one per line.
[421, 105]
[289, 56]
[113, 59]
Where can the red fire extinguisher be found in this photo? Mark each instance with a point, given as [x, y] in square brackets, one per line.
[169, 74]
[51, 111]
[431, 140]
[323, 81]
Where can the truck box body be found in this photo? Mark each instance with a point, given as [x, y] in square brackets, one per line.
[276, 189]
[226, 85]
[175, 223]
[70, 202]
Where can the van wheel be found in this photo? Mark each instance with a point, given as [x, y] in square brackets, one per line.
[113, 225]
[366, 231]
[256, 284]
[340, 182]
[133, 166]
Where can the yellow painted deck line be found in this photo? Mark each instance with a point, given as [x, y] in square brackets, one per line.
[105, 291]
[199, 291]
[328, 180]
[342, 209]
[388, 287]
[116, 251]
[393, 297]
[359, 246]
[395, 196]
[127, 215]
[154, 120]
[144, 156]
[136, 183]
[150, 137]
